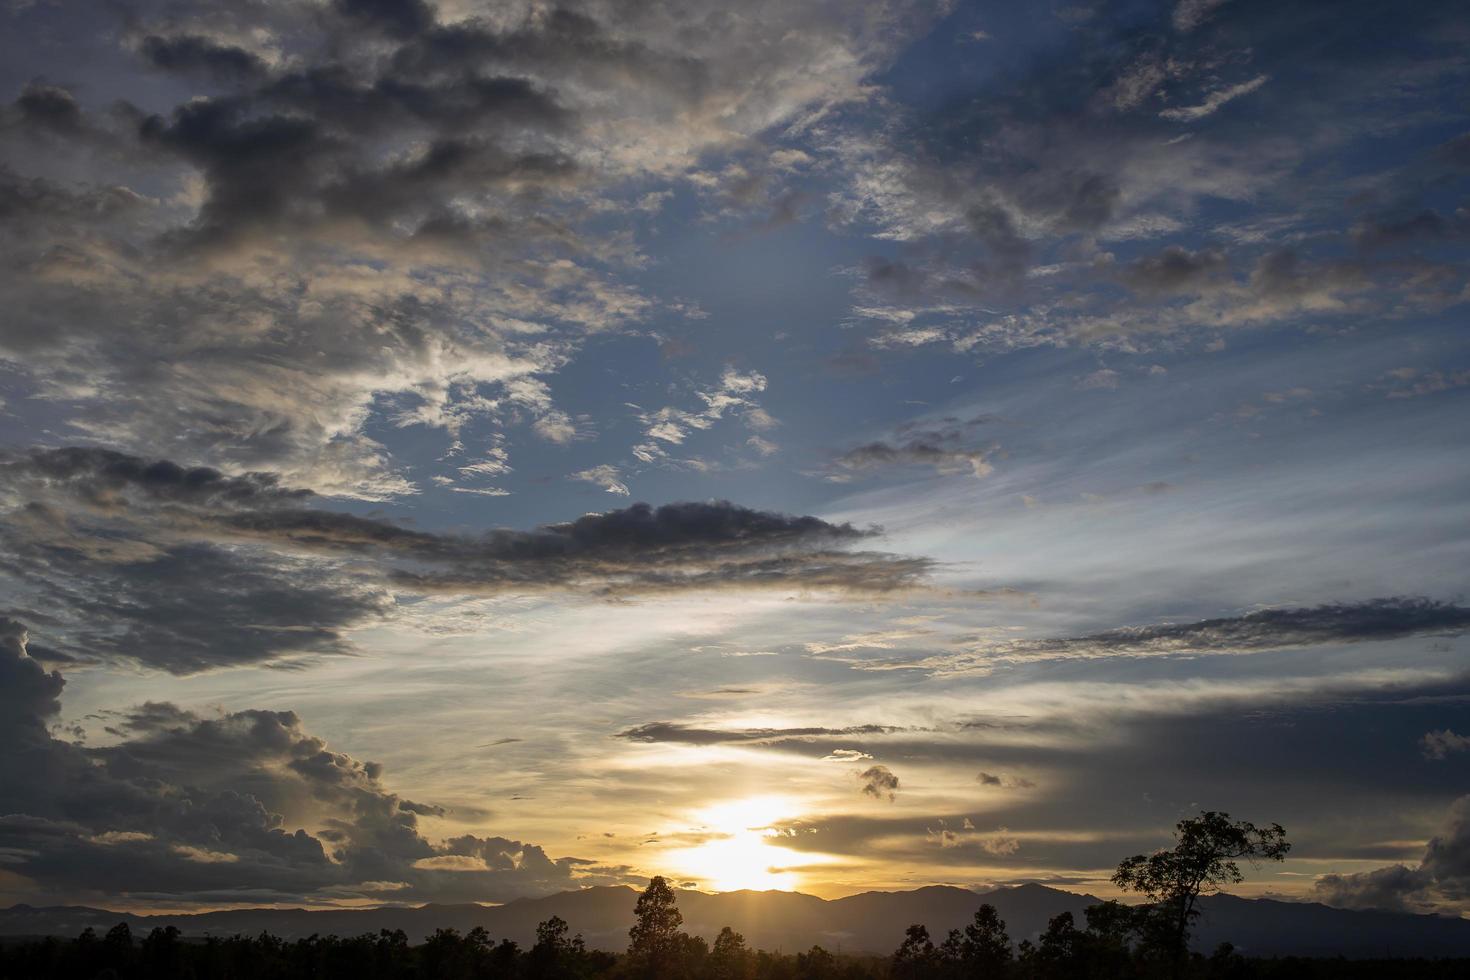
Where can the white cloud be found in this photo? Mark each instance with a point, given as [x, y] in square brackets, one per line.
[1213, 101]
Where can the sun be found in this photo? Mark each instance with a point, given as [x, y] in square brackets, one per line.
[739, 853]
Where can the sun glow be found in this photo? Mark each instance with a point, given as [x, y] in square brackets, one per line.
[738, 853]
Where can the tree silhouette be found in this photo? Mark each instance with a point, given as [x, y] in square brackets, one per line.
[1202, 860]
[729, 960]
[656, 947]
[1057, 950]
[915, 956]
[1106, 943]
[986, 948]
[816, 964]
[555, 957]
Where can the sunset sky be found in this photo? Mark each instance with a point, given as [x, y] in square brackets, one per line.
[456, 451]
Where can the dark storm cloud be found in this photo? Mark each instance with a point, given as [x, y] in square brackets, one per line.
[194, 53]
[571, 41]
[1268, 629]
[33, 696]
[290, 172]
[45, 107]
[188, 805]
[636, 549]
[399, 18]
[187, 608]
[256, 504]
[1440, 881]
[294, 150]
[188, 569]
[665, 731]
[34, 201]
[104, 478]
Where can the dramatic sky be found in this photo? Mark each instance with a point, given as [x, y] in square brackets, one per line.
[453, 451]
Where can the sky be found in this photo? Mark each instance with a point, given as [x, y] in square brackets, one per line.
[457, 451]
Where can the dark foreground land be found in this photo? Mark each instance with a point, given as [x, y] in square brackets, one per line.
[449, 955]
[1113, 941]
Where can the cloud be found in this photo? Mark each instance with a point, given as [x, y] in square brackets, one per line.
[1000, 843]
[1410, 383]
[882, 455]
[670, 426]
[663, 731]
[187, 569]
[103, 478]
[879, 782]
[606, 477]
[192, 607]
[1440, 882]
[881, 639]
[1214, 101]
[482, 491]
[200, 55]
[1426, 225]
[1269, 629]
[999, 206]
[233, 805]
[1189, 14]
[1441, 744]
[946, 445]
[997, 844]
[1175, 269]
[1103, 379]
[1003, 781]
[393, 220]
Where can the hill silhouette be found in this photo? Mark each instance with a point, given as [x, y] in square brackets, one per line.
[868, 922]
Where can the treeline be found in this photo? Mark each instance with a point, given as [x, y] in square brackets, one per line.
[980, 952]
[1148, 941]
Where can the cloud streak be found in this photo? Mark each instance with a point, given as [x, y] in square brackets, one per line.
[1270, 629]
[188, 569]
[664, 731]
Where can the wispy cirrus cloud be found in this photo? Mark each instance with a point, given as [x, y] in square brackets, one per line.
[663, 731]
[1268, 629]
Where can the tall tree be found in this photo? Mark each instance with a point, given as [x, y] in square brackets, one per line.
[1203, 860]
[986, 948]
[555, 957]
[729, 960]
[915, 957]
[655, 944]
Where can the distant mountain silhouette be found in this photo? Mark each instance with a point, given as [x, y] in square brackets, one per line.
[790, 921]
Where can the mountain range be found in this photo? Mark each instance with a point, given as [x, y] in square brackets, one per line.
[872, 922]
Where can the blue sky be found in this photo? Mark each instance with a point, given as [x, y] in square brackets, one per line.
[1051, 421]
